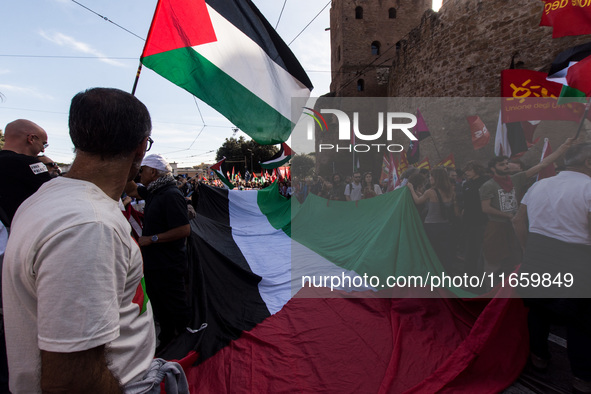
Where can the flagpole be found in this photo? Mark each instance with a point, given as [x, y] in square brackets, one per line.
[137, 77]
[587, 105]
[436, 150]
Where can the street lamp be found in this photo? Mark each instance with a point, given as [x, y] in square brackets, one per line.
[251, 166]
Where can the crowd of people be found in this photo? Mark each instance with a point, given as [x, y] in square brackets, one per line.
[75, 282]
[497, 218]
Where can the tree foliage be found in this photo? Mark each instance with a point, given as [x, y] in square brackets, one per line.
[302, 165]
[242, 154]
[1, 140]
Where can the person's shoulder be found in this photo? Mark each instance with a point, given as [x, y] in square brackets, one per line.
[18, 157]
[489, 183]
[520, 176]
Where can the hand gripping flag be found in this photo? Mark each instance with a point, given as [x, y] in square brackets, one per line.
[280, 158]
[217, 168]
[228, 55]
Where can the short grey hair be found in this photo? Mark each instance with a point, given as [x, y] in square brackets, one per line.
[161, 173]
[576, 155]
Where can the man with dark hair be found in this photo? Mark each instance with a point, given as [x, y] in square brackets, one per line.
[499, 199]
[76, 316]
[353, 190]
[554, 225]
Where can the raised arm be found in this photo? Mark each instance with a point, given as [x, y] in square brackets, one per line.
[416, 198]
[551, 158]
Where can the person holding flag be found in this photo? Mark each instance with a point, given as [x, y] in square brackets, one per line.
[499, 200]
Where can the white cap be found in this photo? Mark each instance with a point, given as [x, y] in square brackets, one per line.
[157, 162]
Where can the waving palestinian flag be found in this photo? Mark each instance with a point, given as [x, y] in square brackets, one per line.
[217, 168]
[228, 55]
[283, 156]
[268, 332]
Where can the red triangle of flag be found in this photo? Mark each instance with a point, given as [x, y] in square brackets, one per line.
[185, 24]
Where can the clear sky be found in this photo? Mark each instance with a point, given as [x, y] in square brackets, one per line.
[52, 49]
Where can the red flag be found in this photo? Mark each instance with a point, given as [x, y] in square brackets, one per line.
[403, 165]
[134, 218]
[530, 96]
[421, 131]
[550, 170]
[424, 164]
[449, 161]
[578, 76]
[387, 163]
[567, 17]
[480, 134]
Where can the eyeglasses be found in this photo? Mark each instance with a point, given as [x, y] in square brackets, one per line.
[150, 142]
[45, 144]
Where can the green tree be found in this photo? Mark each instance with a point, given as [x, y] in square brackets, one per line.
[302, 166]
[242, 154]
[1, 140]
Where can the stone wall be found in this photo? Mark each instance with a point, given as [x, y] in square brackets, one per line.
[460, 51]
[352, 36]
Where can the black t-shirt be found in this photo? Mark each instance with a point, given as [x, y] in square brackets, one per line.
[165, 209]
[20, 177]
[473, 214]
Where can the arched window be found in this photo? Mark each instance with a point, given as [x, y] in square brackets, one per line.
[392, 13]
[375, 48]
[358, 12]
[360, 85]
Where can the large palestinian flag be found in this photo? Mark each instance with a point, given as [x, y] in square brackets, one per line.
[228, 55]
[268, 333]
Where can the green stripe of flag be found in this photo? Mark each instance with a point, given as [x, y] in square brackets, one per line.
[193, 72]
[571, 95]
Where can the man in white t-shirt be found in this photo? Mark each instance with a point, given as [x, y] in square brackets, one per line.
[554, 225]
[76, 315]
[353, 190]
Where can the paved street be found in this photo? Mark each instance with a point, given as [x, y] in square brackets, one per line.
[558, 377]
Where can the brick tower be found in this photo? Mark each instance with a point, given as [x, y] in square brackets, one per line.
[363, 36]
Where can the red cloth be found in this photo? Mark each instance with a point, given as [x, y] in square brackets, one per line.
[568, 18]
[373, 345]
[505, 182]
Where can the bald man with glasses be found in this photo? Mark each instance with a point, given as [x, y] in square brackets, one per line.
[22, 172]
